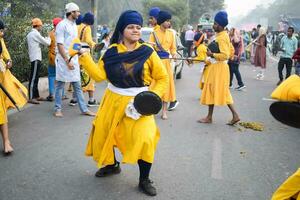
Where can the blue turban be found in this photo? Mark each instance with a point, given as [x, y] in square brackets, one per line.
[88, 18]
[1, 25]
[154, 12]
[79, 20]
[126, 18]
[197, 36]
[222, 18]
[163, 16]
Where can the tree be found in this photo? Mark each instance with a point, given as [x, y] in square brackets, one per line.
[199, 7]
[18, 23]
[178, 9]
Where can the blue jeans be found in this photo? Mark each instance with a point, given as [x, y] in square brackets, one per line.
[51, 80]
[234, 70]
[78, 93]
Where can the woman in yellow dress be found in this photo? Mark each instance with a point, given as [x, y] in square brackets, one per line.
[216, 88]
[13, 86]
[165, 46]
[129, 67]
[85, 35]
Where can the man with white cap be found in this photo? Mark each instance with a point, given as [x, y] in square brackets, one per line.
[68, 70]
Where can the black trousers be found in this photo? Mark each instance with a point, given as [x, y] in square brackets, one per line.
[288, 63]
[189, 45]
[234, 70]
[34, 79]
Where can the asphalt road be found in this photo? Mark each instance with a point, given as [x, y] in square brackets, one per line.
[193, 161]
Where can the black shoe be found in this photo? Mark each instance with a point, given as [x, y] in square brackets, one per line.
[73, 102]
[50, 98]
[279, 82]
[93, 103]
[173, 105]
[240, 87]
[146, 187]
[109, 170]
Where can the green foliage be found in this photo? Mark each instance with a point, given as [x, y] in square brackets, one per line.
[18, 26]
[200, 7]
[178, 9]
[184, 12]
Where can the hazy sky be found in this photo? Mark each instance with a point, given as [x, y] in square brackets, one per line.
[236, 8]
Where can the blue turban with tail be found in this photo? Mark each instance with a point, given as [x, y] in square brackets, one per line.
[126, 18]
[222, 18]
[163, 16]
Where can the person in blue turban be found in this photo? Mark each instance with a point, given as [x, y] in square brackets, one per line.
[129, 67]
[126, 18]
[215, 90]
[153, 15]
[163, 16]
[221, 18]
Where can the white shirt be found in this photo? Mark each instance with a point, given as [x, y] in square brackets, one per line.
[189, 35]
[34, 39]
[66, 32]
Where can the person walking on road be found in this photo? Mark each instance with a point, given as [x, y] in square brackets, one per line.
[34, 40]
[164, 41]
[260, 58]
[68, 70]
[216, 87]
[234, 62]
[288, 45]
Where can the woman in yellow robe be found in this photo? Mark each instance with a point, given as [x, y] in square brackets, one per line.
[13, 86]
[85, 35]
[136, 139]
[216, 88]
[164, 39]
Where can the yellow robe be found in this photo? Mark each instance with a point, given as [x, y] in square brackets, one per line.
[167, 41]
[289, 189]
[87, 38]
[15, 88]
[201, 55]
[216, 88]
[288, 90]
[136, 139]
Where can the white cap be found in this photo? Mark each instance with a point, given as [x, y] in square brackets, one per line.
[70, 7]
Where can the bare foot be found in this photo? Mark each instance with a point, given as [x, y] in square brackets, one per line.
[8, 148]
[58, 114]
[205, 120]
[233, 121]
[164, 117]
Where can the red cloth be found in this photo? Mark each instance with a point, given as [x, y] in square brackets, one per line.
[296, 55]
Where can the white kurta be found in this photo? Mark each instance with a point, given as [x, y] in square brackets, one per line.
[66, 32]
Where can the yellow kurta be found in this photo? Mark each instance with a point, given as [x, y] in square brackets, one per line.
[167, 41]
[201, 55]
[11, 84]
[216, 88]
[87, 38]
[136, 139]
[3, 115]
[288, 90]
[289, 189]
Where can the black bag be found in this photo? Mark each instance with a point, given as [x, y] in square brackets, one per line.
[214, 47]
[147, 103]
[287, 113]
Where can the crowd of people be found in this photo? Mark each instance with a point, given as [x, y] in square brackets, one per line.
[133, 67]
